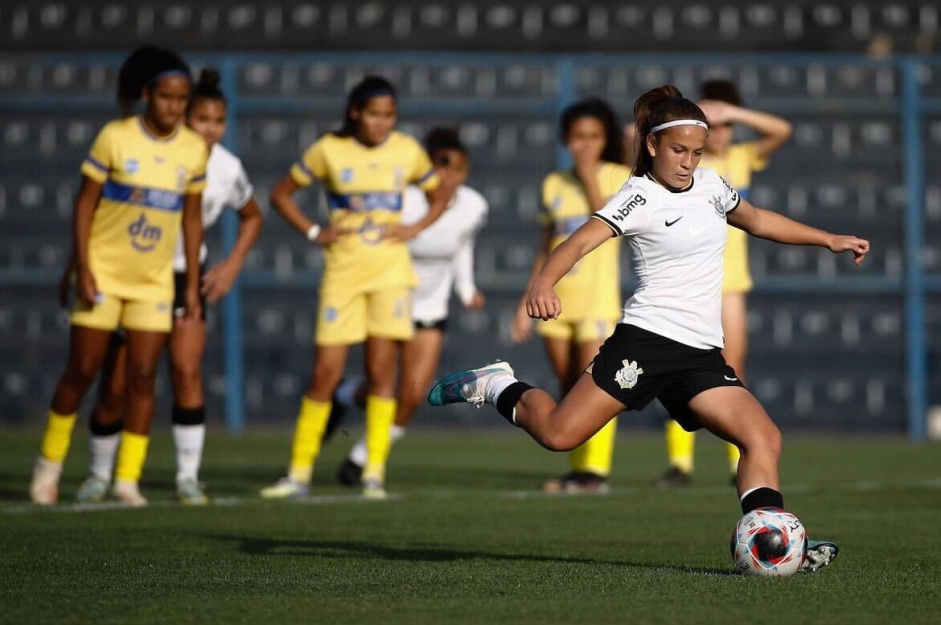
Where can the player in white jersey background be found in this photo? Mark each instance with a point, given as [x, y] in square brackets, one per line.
[668, 344]
[443, 258]
[227, 186]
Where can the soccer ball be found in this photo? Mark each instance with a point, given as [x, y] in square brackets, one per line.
[768, 542]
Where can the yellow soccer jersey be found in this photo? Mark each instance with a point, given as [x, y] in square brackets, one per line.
[364, 187]
[736, 166]
[136, 224]
[592, 289]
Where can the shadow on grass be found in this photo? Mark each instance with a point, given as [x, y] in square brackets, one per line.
[427, 553]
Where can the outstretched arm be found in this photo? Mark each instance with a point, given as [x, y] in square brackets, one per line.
[766, 224]
[542, 302]
[774, 130]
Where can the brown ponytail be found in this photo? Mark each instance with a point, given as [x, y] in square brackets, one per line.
[657, 106]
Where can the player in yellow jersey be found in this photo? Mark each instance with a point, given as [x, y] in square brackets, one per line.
[591, 292]
[365, 292]
[735, 162]
[143, 177]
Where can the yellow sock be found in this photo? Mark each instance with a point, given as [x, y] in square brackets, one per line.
[58, 436]
[380, 414]
[595, 454]
[131, 456]
[734, 456]
[680, 445]
[311, 423]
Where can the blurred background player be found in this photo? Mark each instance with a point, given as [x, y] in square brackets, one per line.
[143, 177]
[227, 185]
[443, 256]
[365, 292]
[591, 292]
[735, 162]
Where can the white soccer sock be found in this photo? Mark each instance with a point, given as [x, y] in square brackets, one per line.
[358, 453]
[101, 451]
[189, 441]
[397, 432]
[497, 386]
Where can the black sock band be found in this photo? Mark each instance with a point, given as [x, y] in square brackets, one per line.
[189, 416]
[103, 429]
[506, 402]
[763, 497]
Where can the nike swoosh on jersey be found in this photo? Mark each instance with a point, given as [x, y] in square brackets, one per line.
[670, 223]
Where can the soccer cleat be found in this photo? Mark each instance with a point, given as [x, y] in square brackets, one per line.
[673, 478]
[577, 483]
[349, 473]
[373, 489]
[190, 493]
[820, 553]
[128, 492]
[285, 488]
[93, 490]
[467, 385]
[44, 488]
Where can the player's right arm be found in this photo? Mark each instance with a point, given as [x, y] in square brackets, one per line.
[522, 323]
[310, 167]
[85, 205]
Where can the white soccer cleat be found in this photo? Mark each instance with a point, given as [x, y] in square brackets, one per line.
[44, 488]
[190, 493]
[373, 489]
[820, 553]
[93, 490]
[285, 488]
[468, 385]
[128, 492]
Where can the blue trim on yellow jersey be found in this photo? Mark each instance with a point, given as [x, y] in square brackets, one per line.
[371, 200]
[304, 169]
[97, 164]
[199, 178]
[424, 178]
[158, 199]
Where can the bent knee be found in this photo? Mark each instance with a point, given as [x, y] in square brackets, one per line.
[560, 441]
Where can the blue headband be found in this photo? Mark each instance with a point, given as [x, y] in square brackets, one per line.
[170, 72]
[373, 94]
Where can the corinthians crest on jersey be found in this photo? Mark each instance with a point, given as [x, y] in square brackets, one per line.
[626, 377]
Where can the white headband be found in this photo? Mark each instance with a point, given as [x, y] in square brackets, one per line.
[679, 122]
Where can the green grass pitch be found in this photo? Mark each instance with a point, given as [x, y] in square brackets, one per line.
[468, 539]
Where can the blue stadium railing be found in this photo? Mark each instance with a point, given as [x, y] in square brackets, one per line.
[912, 107]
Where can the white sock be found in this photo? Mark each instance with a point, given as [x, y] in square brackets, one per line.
[497, 386]
[358, 454]
[748, 492]
[189, 441]
[101, 452]
[346, 392]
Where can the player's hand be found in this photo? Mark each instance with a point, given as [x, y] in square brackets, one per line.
[330, 235]
[522, 327]
[848, 243]
[65, 287]
[86, 286]
[219, 280]
[718, 112]
[542, 302]
[403, 233]
[477, 301]
[586, 165]
[194, 308]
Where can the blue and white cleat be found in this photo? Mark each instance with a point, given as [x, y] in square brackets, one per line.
[467, 385]
[820, 553]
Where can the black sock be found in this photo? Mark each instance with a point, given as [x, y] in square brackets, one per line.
[100, 429]
[189, 416]
[763, 497]
[506, 402]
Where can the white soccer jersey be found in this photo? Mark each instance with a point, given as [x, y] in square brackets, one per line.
[677, 240]
[227, 185]
[443, 253]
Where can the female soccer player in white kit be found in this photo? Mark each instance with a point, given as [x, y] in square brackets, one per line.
[443, 258]
[668, 343]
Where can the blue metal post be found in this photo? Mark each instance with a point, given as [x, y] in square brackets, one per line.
[232, 304]
[915, 348]
[566, 69]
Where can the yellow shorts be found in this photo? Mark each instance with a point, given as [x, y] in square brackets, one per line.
[580, 330]
[737, 278]
[110, 313]
[346, 318]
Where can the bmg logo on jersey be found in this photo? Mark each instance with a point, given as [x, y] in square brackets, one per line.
[144, 236]
[629, 205]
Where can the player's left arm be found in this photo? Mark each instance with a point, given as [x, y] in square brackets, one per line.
[219, 280]
[766, 224]
[192, 240]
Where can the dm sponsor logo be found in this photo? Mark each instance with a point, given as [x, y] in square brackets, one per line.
[144, 236]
